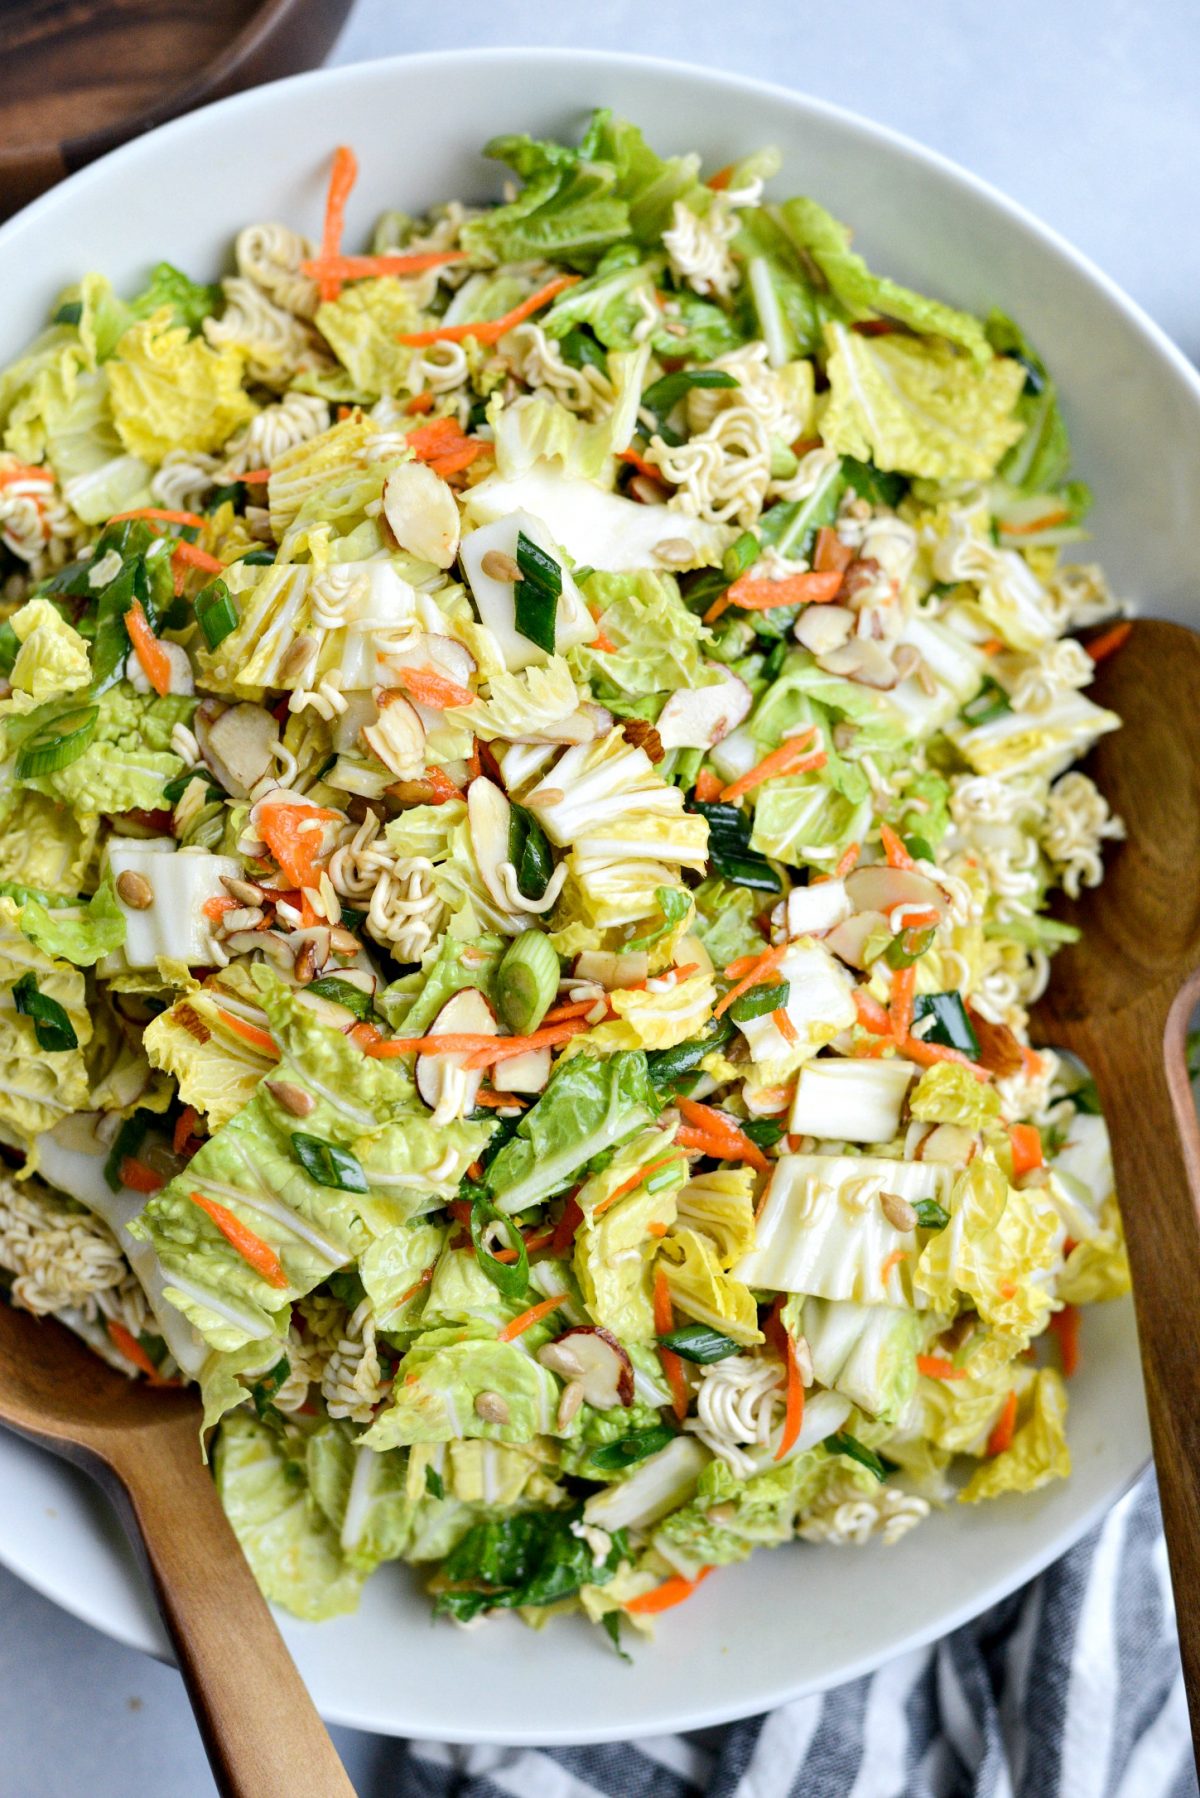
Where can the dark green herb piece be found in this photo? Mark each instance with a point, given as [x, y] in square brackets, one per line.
[610, 1623]
[843, 1443]
[127, 1142]
[529, 850]
[662, 396]
[773, 665]
[69, 313]
[612, 1457]
[175, 788]
[931, 1215]
[434, 1483]
[235, 492]
[537, 593]
[10, 647]
[766, 1132]
[668, 1066]
[792, 528]
[918, 848]
[328, 1164]
[759, 1001]
[696, 1342]
[873, 484]
[265, 1391]
[990, 702]
[729, 848]
[258, 558]
[530, 1558]
[510, 1278]
[581, 350]
[58, 743]
[215, 612]
[351, 918]
[952, 1026]
[51, 1025]
[344, 992]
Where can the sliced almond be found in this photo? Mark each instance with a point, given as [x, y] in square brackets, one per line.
[878, 888]
[447, 1087]
[822, 629]
[238, 742]
[698, 717]
[595, 1358]
[422, 513]
[489, 816]
[862, 660]
[397, 737]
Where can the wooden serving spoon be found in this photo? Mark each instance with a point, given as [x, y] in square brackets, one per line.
[141, 1442]
[1121, 999]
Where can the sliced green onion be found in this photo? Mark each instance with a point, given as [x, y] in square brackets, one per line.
[873, 484]
[662, 396]
[729, 848]
[527, 981]
[69, 313]
[51, 1025]
[343, 992]
[696, 1342]
[529, 852]
[58, 743]
[178, 785]
[581, 350]
[265, 1390]
[951, 1026]
[667, 1066]
[743, 553]
[434, 1483]
[843, 1443]
[536, 594]
[990, 702]
[612, 1457]
[216, 613]
[510, 1278]
[931, 1215]
[766, 1132]
[328, 1164]
[908, 947]
[10, 648]
[258, 558]
[759, 1001]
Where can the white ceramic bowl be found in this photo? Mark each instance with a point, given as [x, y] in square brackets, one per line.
[797, 1619]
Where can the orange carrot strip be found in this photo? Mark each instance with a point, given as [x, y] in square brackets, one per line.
[534, 1315]
[793, 1413]
[671, 1592]
[432, 689]
[196, 557]
[603, 643]
[926, 1054]
[578, 1009]
[721, 1148]
[153, 658]
[1005, 1427]
[816, 588]
[443, 787]
[784, 1025]
[22, 471]
[413, 1290]
[297, 851]
[649, 469]
[185, 1126]
[437, 438]
[251, 1248]
[449, 1044]
[496, 1101]
[250, 1033]
[363, 1036]
[935, 1367]
[191, 518]
[1026, 1148]
[1109, 641]
[708, 787]
[341, 179]
[900, 1011]
[1045, 523]
[672, 1366]
[633, 1181]
[128, 1345]
[917, 920]
[848, 861]
[361, 268]
[420, 402]
[720, 181]
[503, 1048]
[766, 964]
[897, 854]
[779, 762]
[830, 553]
[138, 1177]
[871, 1014]
[492, 329]
[1065, 1324]
[215, 908]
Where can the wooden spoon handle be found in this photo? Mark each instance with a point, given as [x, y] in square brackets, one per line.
[1151, 1115]
[260, 1727]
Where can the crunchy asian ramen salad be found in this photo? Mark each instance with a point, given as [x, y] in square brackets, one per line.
[535, 760]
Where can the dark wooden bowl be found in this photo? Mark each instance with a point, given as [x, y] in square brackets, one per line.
[78, 77]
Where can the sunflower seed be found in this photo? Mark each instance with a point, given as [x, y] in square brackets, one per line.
[491, 1407]
[499, 567]
[305, 964]
[297, 658]
[898, 1211]
[677, 552]
[135, 891]
[292, 1098]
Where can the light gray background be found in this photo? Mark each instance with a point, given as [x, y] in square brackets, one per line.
[1087, 111]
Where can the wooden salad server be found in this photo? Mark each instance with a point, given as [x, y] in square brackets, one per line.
[141, 1443]
[1121, 999]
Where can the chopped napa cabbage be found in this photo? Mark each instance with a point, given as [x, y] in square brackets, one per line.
[64, 414]
[286, 1537]
[534, 703]
[720, 1205]
[702, 1289]
[1038, 1453]
[614, 1250]
[725, 920]
[823, 1230]
[851, 1101]
[1097, 1267]
[949, 1094]
[441, 1376]
[395, 1272]
[362, 1493]
[819, 1005]
[1041, 459]
[865, 1352]
[43, 845]
[536, 429]
[53, 659]
[730, 1517]
[605, 802]
[1034, 742]
[659, 1484]
[997, 1251]
[128, 760]
[590, 1105]
[181, 883]
[38, 1086]
[361, 327]
[217, 1071]
[657, 1020]
[80, 934]
[171, 391]
[657, 642]
[916, 405]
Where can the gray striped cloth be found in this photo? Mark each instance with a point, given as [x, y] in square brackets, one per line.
[1069, 1689]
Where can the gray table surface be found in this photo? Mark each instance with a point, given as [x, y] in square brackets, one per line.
[1084, 110]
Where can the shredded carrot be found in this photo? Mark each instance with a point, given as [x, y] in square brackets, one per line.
[361, 268]
[196, 557]
[1065, 1324]
[128, 1345]
[420, 402]
[138, 1177]
[670, 1593]
[708, 787]
[900, 1011]
[830, 553]
[815, 588]
[23, 471]
[215, 908]
[633, 1181]
[579, 1008]
[255, 477]
[185, 1127]
[363, 1035]
[721, 1148]
[504, 1048]
[1109, 641]
[926, 1054]
[791, 757]
[935, 1367]
[848, 861]
[1026, 1148]
[766, 964]
[793, 1413]
[657, 1229]
[492, 329]
[651, 472]
[720, 181]
[784, 1025]
[872, 1050]
[152, 657]
[496, 1101]
[1007, 1289]
[871, 1014]
[443, 442]
[534, 1315]
[443, 787]
[567, 1225]
[250, 1033]
[1031, 1061]
[1005, 1427]
[341, 179]
[897, 854]
[414, 1289]
[917, 920]
[603, 643]
[251, 1248]
[706, 1121]
[672, 1366]
[166, 517]
[481, 1050]
[297, 851]
[429, 688]
[889, 1262]
[1046, 522]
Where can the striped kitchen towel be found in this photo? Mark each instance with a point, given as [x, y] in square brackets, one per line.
[1069, 1689]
